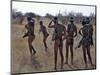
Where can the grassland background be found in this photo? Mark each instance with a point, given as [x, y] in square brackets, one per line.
[42, 61]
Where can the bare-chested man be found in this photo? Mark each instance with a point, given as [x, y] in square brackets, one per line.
[72, 32]
[91, 29]
[59, 31]
[86, 32]
[45, 34]
[30, 34]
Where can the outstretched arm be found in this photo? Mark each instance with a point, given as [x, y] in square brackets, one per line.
[26, 26]
[50, 24]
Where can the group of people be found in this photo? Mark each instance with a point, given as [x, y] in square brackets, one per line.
[60, 34]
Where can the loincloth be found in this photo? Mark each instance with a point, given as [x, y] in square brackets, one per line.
[69, 40]
[59, 42]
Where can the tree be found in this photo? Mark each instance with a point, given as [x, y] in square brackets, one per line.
[92, 17]
[49, 16]
[38, 17]
[13, 13]
[79, 17]
[17, 16]
[31, 14]
[20, 17]
[62, 18]
[71, 14]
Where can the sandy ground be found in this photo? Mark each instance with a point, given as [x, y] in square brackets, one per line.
[42, 61]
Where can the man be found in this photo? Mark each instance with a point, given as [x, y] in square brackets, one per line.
[86, 32]
[59, 31]
[30, 34]
[88, 27]
[45, 34]
[29, 19]
[91, 29]
[72, 33]
[83, 24]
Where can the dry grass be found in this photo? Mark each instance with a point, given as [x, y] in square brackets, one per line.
[42, 61]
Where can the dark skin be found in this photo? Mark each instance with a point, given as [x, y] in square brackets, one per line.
[72, 32]
[45, 34]
[31, 36]
[86, 48]
[90, 28]
[58, 42]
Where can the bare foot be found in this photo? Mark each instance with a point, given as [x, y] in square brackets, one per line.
[66, 62]
[93, 65]
[61, 68]
[55, 68]
[71, 63]
[86, 66]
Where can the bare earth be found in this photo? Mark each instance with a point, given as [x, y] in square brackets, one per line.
[42, 61]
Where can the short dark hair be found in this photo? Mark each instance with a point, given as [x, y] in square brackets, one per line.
[87, 18]
[71, 19]
[29, 18]
[41, 22]
[55, 18]
[83, 21]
